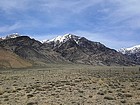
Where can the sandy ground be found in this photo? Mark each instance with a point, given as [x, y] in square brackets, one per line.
[70, 85]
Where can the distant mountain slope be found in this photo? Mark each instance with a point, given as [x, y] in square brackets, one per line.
[64, 49]
[81, 50]
[31, 49]
[13, 35]
[132, 52]
[10, 60]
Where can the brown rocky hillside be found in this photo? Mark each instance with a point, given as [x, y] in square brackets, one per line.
[10, 60]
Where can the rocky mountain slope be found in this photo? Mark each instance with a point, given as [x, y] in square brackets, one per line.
[132, 52]
[64, 49]
[10, 60]
[10, 36]
[81, 50]
[32, 50]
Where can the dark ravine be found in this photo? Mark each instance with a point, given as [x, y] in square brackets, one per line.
[70, 49]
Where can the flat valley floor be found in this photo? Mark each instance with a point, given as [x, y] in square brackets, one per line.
[70, 84]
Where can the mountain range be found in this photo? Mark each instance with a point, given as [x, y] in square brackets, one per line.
[132, 52]
[63, 49]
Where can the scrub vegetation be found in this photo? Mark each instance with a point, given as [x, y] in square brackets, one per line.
[70, 84]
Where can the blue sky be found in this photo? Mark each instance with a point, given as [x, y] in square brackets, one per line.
[115, 23]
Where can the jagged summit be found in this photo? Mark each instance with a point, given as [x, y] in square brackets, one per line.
[68, 48]
[131, 50]
[64, 38]
[13, 35]
[81, 50]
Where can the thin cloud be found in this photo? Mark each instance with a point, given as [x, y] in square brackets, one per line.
[9, 28]
[70, 5]
[10, 6]
[125, 11]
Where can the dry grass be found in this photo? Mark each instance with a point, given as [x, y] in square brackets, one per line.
[68, 84]
[1, 91]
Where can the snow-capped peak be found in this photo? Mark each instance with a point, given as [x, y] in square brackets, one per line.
[14, 35]
[64, 38]
[131, 50]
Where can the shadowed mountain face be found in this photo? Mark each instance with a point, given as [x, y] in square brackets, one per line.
[135, 57]
[10, 60]
[65, 49]
[80, 50]
[31, 49]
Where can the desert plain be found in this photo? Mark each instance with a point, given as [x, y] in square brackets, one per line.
[70, 84]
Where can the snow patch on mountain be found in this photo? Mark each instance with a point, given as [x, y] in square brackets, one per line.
[131, 50]
[14, 35]
[64, 38]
